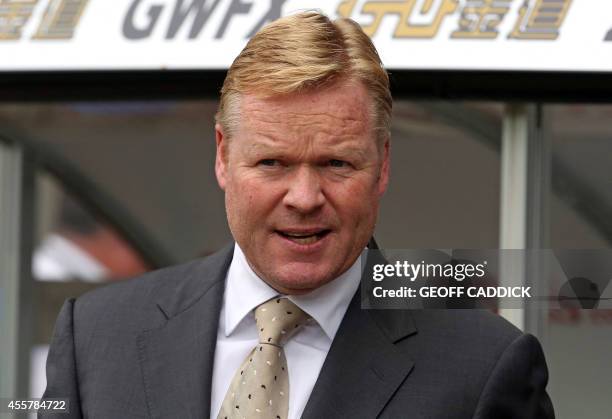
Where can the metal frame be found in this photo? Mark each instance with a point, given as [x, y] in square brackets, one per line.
[566, 184]
[19, 161]
[524, 206]
[16, 229]
[498, 85]
[95, 199]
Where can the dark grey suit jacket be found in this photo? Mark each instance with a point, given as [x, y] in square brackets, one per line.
[144, 348]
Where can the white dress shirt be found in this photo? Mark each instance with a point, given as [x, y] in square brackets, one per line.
[305, 351]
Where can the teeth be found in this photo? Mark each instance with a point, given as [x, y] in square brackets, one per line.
[298, 235]
[304, 240]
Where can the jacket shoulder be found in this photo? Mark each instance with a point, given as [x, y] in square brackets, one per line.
[135, 301]
[468, 325]
[138, 290]
[463, 339]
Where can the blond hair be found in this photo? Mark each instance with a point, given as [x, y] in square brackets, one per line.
[303, 52]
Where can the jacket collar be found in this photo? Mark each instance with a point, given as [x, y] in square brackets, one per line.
[195, 282]
[177, 358]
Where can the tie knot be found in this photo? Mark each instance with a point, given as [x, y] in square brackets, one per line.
[277, 319]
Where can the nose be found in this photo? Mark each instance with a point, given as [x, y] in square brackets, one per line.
[304, 193]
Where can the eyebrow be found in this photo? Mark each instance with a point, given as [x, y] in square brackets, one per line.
[340, 151]
[259, 147]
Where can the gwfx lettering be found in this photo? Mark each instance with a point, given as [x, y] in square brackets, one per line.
[192, 12]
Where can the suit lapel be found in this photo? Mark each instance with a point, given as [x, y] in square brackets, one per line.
[364, 367]
[177, 358]
[361, 372]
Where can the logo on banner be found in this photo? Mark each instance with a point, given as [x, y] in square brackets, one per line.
[477, 19]
[58, 21]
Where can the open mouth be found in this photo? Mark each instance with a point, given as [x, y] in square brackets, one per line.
[304, 237]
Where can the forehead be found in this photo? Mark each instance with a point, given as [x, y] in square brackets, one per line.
[338, 110]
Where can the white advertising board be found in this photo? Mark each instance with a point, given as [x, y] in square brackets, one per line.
[532, 35]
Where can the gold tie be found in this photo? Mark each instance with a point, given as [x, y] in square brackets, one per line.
[260, 387]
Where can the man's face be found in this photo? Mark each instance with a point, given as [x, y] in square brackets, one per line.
[302, 177]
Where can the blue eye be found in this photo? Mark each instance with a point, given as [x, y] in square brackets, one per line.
[268, 162]
[337, 163]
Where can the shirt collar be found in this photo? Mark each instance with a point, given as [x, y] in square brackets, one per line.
[327, 304]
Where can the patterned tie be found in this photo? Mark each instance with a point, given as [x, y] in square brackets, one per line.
[260, 388]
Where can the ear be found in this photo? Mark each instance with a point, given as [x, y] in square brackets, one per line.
[221, 158]
[383, 179]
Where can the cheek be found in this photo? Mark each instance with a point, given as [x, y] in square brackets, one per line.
[237, 203]
[248, 201]
[356, 202]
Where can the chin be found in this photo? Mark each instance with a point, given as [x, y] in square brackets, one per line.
[301, 280]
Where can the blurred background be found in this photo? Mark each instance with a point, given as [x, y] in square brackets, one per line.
[107, 174]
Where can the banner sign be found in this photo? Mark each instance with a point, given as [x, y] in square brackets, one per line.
[532, 35]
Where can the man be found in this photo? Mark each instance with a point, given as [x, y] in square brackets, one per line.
[272, 326]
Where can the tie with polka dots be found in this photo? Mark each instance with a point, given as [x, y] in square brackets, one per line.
[260, 388]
